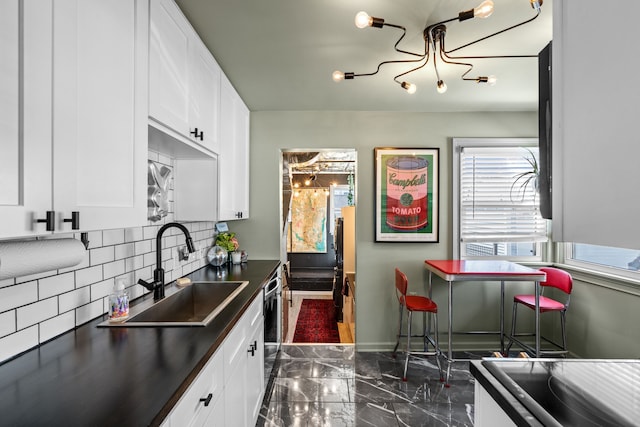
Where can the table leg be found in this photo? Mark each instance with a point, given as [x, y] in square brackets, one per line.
[502, 318]
[450, 331]
[537, 319]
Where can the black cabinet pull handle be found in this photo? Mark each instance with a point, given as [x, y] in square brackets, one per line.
[253, 348]
[49, 220]
[207, 400]
[197, 135]
[74, 220]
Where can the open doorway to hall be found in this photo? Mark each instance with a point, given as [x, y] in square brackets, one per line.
[318, 245]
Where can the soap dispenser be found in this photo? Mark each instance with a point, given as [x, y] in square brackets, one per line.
[118, 302]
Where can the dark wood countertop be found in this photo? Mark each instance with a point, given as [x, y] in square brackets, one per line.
[94, 376]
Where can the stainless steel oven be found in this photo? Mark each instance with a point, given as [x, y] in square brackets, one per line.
[272, 292]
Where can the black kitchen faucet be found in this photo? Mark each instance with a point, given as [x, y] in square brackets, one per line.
[157, 286]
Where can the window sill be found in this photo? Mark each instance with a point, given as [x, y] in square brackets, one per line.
[605, 280]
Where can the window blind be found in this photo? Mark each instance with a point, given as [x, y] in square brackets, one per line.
[496, 205]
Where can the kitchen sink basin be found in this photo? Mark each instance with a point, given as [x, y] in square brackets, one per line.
[195, 305]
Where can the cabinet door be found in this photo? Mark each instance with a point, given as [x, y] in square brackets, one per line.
[25, 128]
[234, 154]
[204, 96]
[100, 112]
[169, 66]
[201, 398]
[255, 372]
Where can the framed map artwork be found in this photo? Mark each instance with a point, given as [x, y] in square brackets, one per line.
[308, 231]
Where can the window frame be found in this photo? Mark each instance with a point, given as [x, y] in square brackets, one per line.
[565, 254]
[542, 248]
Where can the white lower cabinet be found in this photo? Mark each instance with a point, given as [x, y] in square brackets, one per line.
[201, 398]
[244, 378]
[229, 389]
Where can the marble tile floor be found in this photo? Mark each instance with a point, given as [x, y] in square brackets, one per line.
[333, 385]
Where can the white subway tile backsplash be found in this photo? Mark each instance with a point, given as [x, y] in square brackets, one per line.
[7, 282]
[35, 313]
[101, 289]
[143, 247]
[102, 255]
[86, 276]
[133, 234]
[149, 259]
[165, 160]
[113, 237]
[170, 241]
[74, 299]
[133, 263]
[39, 307]
[18, 295]
[7, 323]
[33, 277]
[113, 269]
[124, 251]
[17, 343]
[150, 232]
[55, 285]
[57, 325]
[89, 311]
[95, 239]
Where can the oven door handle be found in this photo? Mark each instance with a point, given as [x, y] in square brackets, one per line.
[271, 292]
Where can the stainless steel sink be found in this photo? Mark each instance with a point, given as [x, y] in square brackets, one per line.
[195, 305]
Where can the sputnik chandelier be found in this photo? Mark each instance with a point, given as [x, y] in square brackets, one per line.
[434, 36]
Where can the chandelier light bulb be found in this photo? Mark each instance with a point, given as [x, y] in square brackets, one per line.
[536, 4]
[363, 20]
[483, 10]
[337, 76]
[409, 87]
[492, 80]
[442, 86]
[307, 182]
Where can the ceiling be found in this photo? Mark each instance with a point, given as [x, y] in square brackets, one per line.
[280, 54]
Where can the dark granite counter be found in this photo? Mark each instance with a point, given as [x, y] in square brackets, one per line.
[563, 392]
[94, 376]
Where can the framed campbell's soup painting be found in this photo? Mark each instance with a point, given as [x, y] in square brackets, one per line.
[407, 184]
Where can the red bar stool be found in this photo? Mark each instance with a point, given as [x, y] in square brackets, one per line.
[558, 279]
[418, 304]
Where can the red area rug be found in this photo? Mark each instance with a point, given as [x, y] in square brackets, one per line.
[317, 322]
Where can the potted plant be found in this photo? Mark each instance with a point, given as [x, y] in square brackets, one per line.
[228, 241]
[524, 179]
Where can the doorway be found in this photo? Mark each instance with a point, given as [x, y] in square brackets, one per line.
[318, 189]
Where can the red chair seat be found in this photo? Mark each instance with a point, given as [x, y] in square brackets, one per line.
[420, 303]
[546, 304]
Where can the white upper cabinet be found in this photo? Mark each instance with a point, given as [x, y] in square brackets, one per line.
[25, 129]
[100, 132]
[204, 97]
[82, 134]
[234, 155]
[595, 125]
[184, 78]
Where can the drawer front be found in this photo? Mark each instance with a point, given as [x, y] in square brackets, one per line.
[194, 406]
